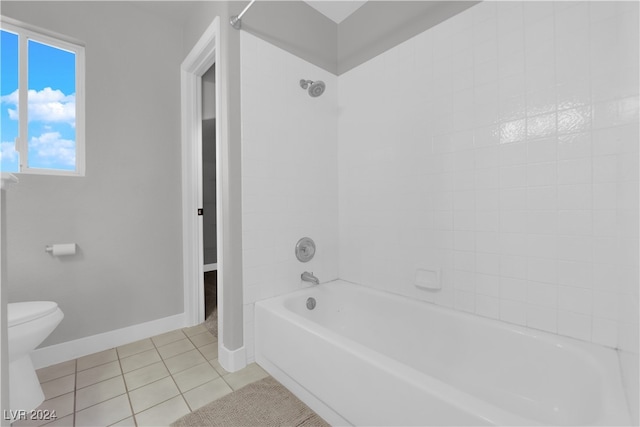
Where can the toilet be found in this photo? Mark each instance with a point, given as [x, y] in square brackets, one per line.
[29, 324]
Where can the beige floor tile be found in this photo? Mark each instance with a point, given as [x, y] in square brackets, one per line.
[184, 361]
[195, 376]
[127, 422]
[99, 373]
[208, 392]
[175, 348]
[105, 413]
[100, 392]
[163, 414]
[195, 330]
[59, 386]
[134, 348]
[62, 422]
[146, 375]
[145, 397]
[139, 360]
[96, 359]
[210, 351]
[56, 371]
[168, 337]
[218, 367]
[61, 406]
[245, 376]
[203, 339]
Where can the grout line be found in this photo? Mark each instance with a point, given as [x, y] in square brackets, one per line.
[171, 376]
[126, 389]
[132, 354]
[99, 364]
[204, 363]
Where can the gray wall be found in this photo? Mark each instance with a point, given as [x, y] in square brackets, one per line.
[125, 214]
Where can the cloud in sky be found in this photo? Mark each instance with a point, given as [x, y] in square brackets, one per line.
[47, 105]
[8, 151]
[51, 149]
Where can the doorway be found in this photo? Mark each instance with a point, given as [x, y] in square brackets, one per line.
[204, 54]
[209, 221]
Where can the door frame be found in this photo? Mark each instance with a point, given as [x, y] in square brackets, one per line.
[205, 53]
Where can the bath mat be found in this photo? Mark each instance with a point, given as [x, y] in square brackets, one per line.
[262, 403]
[211, 322]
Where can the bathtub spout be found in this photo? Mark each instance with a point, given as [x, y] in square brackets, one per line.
[309, 277]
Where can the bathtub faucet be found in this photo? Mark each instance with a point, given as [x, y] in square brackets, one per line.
[309, 277]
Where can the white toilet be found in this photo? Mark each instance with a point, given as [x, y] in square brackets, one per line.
[29, 324]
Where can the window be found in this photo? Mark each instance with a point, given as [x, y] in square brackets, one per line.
[41, 102]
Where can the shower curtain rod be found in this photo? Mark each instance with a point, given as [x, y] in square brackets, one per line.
[236, 21]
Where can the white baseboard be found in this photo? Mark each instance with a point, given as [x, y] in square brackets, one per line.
[58, 353]
[232, 360]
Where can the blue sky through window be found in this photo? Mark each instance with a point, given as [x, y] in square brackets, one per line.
[8, 85]
[51, 131]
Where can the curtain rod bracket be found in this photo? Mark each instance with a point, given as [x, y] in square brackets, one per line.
[236, 21]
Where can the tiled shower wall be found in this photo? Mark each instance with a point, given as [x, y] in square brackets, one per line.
[501, 148]
[289, 173]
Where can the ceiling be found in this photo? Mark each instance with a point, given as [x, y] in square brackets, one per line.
[336, 10]
[179, 11]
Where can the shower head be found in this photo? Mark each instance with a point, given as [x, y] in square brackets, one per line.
[315, 88]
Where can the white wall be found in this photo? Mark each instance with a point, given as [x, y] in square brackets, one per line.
[125, 213]
[289, 173]
[502, 147]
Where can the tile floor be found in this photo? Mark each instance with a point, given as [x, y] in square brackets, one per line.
[151, 382]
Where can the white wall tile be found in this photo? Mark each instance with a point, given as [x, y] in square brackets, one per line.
[543, 318]
[574, 325]
[541, 174]
[513, 289]
[280, 204]
[605, 332]
[544, 198]
[513, 311]
[542, 294]
[575, 196]
[577, 300]
[542, 222]
[576, 171]
[542, 270]
[530, 112]
[575, 222]
[487, 306]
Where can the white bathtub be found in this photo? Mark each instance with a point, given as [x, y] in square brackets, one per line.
[364, 357]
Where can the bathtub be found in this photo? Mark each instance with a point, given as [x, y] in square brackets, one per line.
[365, 357]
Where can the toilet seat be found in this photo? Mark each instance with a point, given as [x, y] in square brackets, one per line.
[22, 312]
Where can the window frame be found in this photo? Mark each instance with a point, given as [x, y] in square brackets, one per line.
[26, 33]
